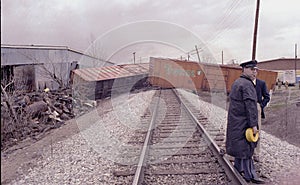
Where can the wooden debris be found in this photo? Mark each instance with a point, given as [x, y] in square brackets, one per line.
[31, 114]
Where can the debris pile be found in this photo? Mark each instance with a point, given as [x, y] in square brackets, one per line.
[33, 114]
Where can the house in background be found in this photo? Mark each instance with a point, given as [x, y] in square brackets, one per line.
[288, 68]
[36, 67]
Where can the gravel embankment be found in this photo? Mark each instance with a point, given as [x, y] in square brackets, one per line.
[279, 160]
[89, 156]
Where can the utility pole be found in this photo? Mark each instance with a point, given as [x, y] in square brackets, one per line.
[133, 57]
[255, 31]
[197, 53]
[296, 63]
[222, 58]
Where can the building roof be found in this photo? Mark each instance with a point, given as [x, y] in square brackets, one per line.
[39, 47]
[280, 64]
[49, 47]
[279, 59]
[33, 46]
[112, 72]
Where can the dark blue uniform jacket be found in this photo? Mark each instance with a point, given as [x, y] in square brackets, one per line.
[242, 114]
[263, 96]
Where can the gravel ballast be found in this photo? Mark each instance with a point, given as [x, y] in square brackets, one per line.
[89, 156]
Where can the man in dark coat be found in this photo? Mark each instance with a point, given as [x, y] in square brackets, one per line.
[263, 98]
[242, 114]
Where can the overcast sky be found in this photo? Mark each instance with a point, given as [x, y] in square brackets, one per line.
[168, 28]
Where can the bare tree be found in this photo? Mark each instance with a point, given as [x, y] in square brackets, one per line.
[8, 100]
[207, 58]
[96, 51]
[51, 70]
[53, 73]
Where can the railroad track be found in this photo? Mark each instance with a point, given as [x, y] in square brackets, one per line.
[174, 147]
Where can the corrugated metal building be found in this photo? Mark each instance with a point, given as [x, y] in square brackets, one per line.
[34, 67]
[284, 67]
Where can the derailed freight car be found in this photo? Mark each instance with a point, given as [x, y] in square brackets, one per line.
[98, 83]
[169, 73]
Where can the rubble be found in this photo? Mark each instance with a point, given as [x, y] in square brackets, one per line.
[38, 112]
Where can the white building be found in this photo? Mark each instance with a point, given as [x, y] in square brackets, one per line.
[288, 68]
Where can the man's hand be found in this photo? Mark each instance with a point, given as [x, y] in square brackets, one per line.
[254, 130]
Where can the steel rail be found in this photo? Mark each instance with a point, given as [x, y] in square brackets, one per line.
[139, 174]
[230, 171]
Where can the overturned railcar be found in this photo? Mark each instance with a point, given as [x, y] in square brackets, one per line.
[98, 83]
[170, 73]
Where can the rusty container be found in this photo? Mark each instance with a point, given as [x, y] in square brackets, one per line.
[170, 73]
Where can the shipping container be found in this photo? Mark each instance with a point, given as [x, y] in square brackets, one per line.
[170, 73]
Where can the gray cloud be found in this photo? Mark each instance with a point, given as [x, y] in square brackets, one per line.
[222, 25]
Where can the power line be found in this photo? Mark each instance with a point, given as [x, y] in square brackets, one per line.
[224, 24]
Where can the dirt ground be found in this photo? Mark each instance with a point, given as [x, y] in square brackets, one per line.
[283, 115]
[282, 120]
